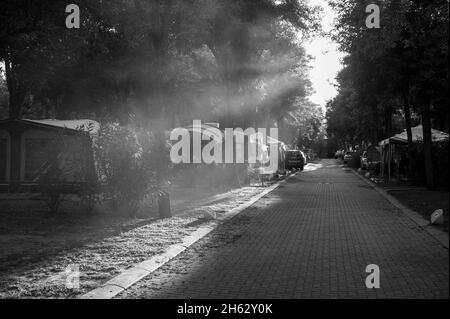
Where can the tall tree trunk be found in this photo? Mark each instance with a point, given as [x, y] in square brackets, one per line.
[13, 89]
[375, 124]
[427, 142]
[388, 122]
[161, 47]
[407, 110]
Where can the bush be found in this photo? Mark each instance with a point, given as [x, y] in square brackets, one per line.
[68, 170]
[440, 163]
[204, 175]
[51, 181]
[119, 167]
[355, 161]
[123, 167]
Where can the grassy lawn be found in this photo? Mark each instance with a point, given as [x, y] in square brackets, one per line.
[416, 198]
[36, 246]
[424, 202]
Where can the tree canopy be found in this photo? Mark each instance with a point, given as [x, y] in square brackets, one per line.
[394, 76]
[166, 62]
[388, 67]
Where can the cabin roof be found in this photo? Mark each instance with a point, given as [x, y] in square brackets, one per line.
[85, 125]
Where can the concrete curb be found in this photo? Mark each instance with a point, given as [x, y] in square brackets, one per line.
[437, 234]
[132, 275]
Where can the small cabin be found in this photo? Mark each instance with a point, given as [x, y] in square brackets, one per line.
[28, 146]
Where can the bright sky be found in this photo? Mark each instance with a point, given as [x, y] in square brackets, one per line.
[327, 60]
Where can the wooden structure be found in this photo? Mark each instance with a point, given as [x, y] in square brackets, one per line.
[26, 147]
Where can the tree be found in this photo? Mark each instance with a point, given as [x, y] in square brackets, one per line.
[403, 62]
[158, 63]
[3, 97]
[34, 44]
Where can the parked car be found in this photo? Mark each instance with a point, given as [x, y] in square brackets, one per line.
[339, 154]
[295, 159]
[348, 157]
[309, 154]
[370, 159]
[364, 161]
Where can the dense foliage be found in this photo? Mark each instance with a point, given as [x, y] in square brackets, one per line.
[160, 63]
[152, 65]
[394, 77]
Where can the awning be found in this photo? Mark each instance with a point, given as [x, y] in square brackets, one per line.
[417, 135]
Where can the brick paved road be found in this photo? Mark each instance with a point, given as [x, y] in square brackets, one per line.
[311, 238]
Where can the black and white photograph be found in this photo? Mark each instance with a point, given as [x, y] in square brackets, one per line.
[224, 155]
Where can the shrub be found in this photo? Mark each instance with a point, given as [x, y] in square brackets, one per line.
[123, 167]
[51, 180]
[68, 169]
[440, 163]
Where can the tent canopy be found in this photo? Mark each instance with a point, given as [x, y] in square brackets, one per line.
[417, 135]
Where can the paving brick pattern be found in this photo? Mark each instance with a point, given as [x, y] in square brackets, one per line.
[311, 238]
